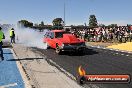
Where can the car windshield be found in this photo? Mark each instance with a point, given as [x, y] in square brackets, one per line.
[60, 34]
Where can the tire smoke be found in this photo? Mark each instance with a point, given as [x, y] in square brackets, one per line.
[28, 37]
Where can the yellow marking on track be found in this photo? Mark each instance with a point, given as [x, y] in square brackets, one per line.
[124, 46]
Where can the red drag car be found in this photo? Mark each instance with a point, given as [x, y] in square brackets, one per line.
[63, 41]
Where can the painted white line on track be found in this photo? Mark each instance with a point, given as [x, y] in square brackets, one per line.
[94, 86]
[123, 51]
[116, 50]
[122, 54]
[129, 52]
[65, 72]
[127, 55]
[9, 85]
[98, 46]
[23, 75]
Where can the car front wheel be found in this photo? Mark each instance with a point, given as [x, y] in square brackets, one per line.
[58, 50]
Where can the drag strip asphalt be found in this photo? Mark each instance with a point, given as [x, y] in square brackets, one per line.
[95, 61]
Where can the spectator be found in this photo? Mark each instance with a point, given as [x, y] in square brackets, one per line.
[126, 36]
[121, 36]
[130, 35]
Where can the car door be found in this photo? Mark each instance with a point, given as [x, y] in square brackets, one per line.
[52, 40]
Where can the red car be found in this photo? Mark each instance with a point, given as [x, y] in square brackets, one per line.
[63, 41]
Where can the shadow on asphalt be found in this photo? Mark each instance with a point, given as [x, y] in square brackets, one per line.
[6, 46]
[86, 52]
[24, 59]
[90, 51]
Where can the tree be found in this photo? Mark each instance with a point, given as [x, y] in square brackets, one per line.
[101, 25]
[42, 24]
[112, 25]
[57, 23]
[93, 21]
[36, 25]
[25, 23]
[128, 25]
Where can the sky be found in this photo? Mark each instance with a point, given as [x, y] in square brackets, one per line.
[77, 12]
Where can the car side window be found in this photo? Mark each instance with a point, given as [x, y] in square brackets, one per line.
[46, 35]
[52, 35]
[49, 35]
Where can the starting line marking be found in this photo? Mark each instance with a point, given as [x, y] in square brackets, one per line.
[123, 51]
[104, 48]
[9, 85]
[116, 50]
[122, 54]
[127, 55]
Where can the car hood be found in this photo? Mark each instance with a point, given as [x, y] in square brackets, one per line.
[69, 38]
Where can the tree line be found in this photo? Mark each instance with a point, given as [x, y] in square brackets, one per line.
[58, 23]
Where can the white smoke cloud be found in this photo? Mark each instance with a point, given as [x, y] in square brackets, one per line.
[28, 37]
